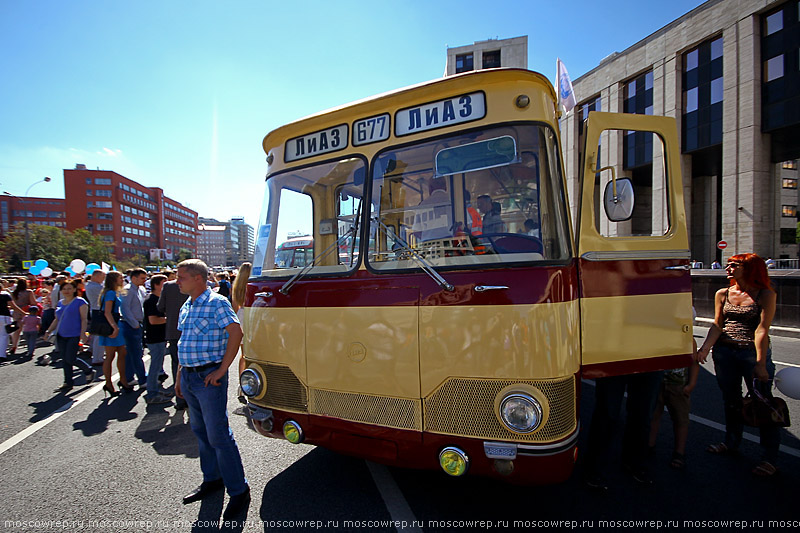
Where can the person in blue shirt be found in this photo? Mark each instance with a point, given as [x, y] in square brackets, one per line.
[209, 342]
[70, 325]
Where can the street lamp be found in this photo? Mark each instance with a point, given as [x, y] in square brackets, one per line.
[46, 179]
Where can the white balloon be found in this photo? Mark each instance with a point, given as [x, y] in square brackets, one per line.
[47, 272]
[787, 380]
[78, 265]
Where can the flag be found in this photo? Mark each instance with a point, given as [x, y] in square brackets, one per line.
[105, 266]
[566, 96]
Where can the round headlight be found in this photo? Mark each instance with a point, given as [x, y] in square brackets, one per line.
[293, 432]
[520, 413]
[454, 461]
[250, 382]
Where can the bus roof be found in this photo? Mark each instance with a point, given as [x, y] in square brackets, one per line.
[414, 94]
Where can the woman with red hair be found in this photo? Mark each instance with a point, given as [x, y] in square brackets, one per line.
[743, 314]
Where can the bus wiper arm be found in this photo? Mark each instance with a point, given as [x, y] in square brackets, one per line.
[324, 253]
[423, 264]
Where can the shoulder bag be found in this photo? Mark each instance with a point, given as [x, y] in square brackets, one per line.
[759, 409]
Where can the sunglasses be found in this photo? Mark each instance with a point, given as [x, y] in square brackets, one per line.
[732, 265]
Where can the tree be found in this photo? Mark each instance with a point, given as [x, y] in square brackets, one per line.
[183, 254]
[46, 242]
[84, 245]
[57, 246]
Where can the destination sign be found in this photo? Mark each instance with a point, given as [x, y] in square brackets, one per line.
[370, 130]
[439, 114]
[321, 142]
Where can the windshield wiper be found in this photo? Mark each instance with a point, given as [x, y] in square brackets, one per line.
[335, 246]
[423, 264]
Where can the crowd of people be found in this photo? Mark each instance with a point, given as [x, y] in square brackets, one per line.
[189, 313]
[194, 316]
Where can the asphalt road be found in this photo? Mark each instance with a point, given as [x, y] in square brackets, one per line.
[84, 462]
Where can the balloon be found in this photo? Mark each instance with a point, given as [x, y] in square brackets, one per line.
[77, 265]
[47, 272]
[41, 263]
[91, 267]
[35, 270]
[69, 270]
[788, 382]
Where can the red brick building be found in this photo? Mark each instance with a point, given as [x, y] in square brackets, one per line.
[128, 216]
[42, 211]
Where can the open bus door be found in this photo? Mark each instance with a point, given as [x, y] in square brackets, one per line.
[633, 247]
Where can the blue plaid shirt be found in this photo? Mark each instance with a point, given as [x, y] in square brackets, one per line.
[202, 323]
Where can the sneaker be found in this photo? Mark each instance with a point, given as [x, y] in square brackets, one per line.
[157, 399]
[46, 360]
[90, 376]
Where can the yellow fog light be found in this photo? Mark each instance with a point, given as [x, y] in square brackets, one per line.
[454, 461]
[292, 432]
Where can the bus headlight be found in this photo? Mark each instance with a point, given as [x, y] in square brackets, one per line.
[250, 382]
[293, 432]
[453, 461]
[520, 412]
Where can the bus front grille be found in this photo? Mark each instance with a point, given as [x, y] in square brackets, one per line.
[386, 411]
[284, 390]
[465, 407]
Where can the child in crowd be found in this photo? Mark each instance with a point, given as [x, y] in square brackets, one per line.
[30, 328]
[675, 393]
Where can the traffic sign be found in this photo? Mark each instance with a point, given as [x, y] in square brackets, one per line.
[27, 264]
[722, 245]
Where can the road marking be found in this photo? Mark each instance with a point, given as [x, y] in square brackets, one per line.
[393, 498]
[36, 426]
[716, 425]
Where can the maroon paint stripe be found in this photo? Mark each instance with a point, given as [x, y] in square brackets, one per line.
[546, 284]
[650, 364]
[414, 449]
[633, 278]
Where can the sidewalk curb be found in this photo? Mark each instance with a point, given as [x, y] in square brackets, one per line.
[777, 331]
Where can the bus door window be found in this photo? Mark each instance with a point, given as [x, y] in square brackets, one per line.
[307, 211]
[643, 165]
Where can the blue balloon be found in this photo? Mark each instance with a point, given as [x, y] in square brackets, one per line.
[35, 269]
[69, 269]
[41, 263]
[91, 267]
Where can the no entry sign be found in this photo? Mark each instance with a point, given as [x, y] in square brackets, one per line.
[722, 245]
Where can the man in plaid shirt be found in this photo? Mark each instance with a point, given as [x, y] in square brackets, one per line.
[210, 338]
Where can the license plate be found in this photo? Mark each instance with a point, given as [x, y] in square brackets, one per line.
[500, 450]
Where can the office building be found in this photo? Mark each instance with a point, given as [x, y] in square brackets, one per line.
[493, 53]
[226, 244]
[42, 211]
[729, 73]
[247, 241]
[129, 217]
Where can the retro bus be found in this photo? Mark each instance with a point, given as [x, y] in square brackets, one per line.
[451, 305]
[295, 252]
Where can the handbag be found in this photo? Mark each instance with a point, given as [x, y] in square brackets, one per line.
[759, 409]
[11, 328]
[99, 325]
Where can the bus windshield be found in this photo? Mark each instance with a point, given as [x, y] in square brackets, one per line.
[478, 198]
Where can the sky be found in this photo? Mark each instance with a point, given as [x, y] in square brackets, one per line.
[179, 94]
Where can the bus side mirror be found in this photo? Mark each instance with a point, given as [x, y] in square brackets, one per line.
[618, 199]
